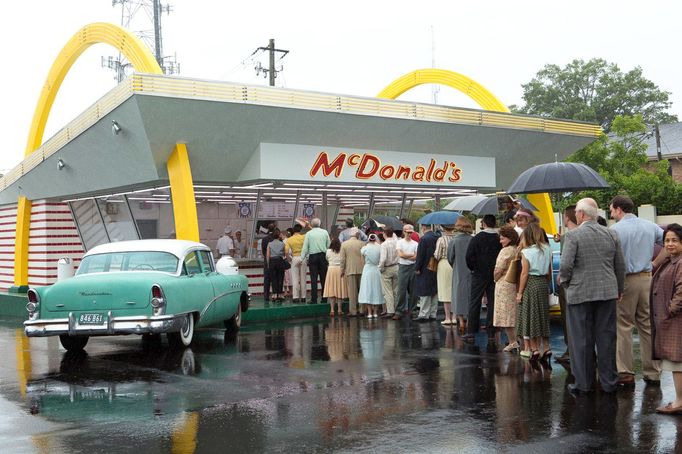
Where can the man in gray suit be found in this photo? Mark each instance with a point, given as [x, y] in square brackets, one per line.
[593, 275]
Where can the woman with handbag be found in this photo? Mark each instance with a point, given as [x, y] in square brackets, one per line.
[275, 261]
[505, 286]
[444, 272]
[426, 287]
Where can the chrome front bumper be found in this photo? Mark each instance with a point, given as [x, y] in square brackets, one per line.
[111, 326]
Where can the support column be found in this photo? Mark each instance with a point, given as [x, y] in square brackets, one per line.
[259, 196]
[402, 206]
[182, 194]
[22, 237]
[296, 205]
[370, 209]
[545, 212]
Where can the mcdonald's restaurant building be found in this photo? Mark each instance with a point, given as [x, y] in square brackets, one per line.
[165, 157]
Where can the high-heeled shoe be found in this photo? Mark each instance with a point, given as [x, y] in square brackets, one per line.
[525, 353]
[511, 348]
[546, 355]
[535, 355]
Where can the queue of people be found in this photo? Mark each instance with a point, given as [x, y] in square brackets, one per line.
[610, 281]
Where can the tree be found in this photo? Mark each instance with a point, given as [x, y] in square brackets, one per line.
[595, 91]
[621, 159]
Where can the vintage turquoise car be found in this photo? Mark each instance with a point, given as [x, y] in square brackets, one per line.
[143, 287]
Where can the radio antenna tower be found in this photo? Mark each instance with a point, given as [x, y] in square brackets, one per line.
[139, 16]
[435, 89]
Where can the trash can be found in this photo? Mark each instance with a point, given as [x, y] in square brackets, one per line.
[64, 268]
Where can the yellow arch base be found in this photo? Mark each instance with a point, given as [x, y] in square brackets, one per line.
[21, 244]
[483, 98]
[141, 59]
[182, 194]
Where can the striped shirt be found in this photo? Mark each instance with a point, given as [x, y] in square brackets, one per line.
[389, 253]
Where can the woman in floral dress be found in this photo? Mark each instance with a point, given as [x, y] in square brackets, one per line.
[505, 292]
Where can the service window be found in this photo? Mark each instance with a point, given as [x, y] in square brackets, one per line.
[192, 265]
[206, 262]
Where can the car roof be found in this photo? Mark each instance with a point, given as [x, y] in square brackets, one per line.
[178, 248]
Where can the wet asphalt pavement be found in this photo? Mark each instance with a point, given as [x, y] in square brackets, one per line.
[342, 385]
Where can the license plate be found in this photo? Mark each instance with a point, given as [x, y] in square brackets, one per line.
[91, 319]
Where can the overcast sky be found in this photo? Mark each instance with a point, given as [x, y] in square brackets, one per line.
[349, 47]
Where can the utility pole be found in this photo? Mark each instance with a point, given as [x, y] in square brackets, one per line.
[136, 14]
[271, 71]
[657, 133]
[157, 32]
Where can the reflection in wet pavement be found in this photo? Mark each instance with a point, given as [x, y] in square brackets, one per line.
[313, 386]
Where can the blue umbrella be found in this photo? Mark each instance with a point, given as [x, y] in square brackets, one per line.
[440, 218]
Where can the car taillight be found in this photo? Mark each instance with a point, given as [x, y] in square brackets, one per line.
[32, 296]
[157, 296]
[33, 303]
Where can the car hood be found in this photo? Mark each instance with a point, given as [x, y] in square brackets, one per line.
[102, 291]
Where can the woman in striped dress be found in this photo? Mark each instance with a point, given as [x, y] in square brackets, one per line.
[532, 321]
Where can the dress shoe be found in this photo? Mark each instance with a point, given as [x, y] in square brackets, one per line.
[573, 389]
[422, 319]
[652, 381]
[396, 317]
[626, 380]
[312, 302]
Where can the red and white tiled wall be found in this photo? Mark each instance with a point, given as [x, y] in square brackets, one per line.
[53, 235]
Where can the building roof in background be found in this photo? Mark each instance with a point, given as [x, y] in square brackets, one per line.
[671, 141]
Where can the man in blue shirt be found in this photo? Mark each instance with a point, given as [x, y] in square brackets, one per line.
[315, 245]
[637, 239]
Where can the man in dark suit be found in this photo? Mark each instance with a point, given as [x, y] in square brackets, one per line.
[480, 257]
[425, 281]
[593, 274]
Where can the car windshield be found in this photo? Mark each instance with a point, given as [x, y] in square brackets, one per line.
[129, 261]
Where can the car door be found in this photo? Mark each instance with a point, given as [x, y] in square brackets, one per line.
[196, 289]
[226, 295]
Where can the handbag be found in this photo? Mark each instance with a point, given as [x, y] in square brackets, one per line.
[514, 270]
[287, 264]
[433, 264]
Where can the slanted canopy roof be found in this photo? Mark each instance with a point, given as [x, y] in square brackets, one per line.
[227, 126]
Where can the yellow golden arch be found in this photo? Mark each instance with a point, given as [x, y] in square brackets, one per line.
[179, 172]
[483, 98]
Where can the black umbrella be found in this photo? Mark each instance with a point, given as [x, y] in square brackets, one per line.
[490, 205]
[557, 177]
[388, 221]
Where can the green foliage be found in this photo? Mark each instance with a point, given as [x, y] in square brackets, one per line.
[595, 91]
[621, 159]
